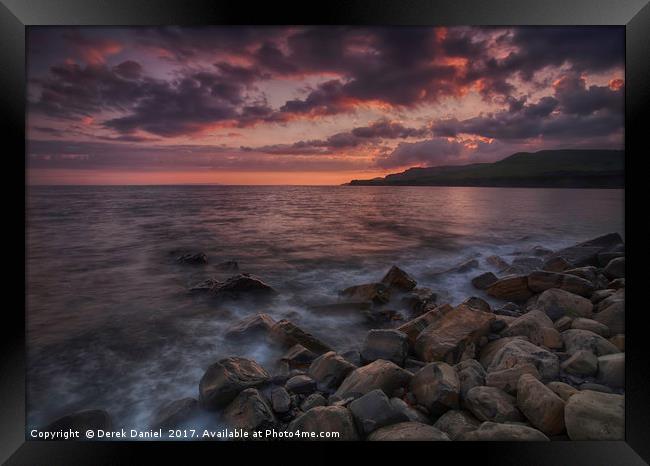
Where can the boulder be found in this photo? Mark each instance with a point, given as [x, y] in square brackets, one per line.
[611, 370]
[414, 327]
[470, 374]
[312, 401]
[380, 374]
[506, 379]
[528, 263]
[582, 323]
[561, 389]
[280, 400]
[589, 273]
[484, 280]
[557, 303]
[88, 419]
[518, 352]
[225, 379]
[563, 323]
[378, 293]
[298, 357]
[477, 303]
[541, 406]
[382, 316]
[455, 422]
[249, 411]
[374, 410]
[322, 419]
[492, 431]
[576, 340]
[242, 285]
[175, 414]
[534, 325]
[556, 264]
[301, 384]
[193, 258]
[613, 317]
[605, 257]
[596, 387]
[391, 345]
[616, 284]
[598, 295]
[617, 297]
[250, 327]
[541, 281]
[490, 350]
[615, 268]
[590, 415]
[436, 387]
[398, 279]
[618, 341]
[510, 288]
[586, 253]
[497, 262]
[492, 404]
[418, 300]
[454, 336]
[582, 363]
[329, 370]
[410, 413]
[408, 431]
[289, 334]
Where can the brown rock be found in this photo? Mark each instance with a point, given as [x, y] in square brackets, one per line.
[414, 327]
[497, 262]
[381, 374]
[389, 344]
[576, 340]
[506, 379]
[477, 303]
[249, 411]
[225, 379]
[250, 327]
[531, 325]
[454, 336]
[540, 281]
[556, 264]
[455, 422]
[378, 293]
[398, 279]
[582, 362]
[558, 303]
[561, 389]
[618, 341]
[592, 415]
[490, 350]
[329, 370]
[436, 386]
[511, 288]
[543, 408]
[518, 352]
[408, 431]
[611, 370]
[581, 323]
[298, 357]
[615, 268]
[613, 317]
[494, 432]
[492, 404]
[289, 334]
[484, 280]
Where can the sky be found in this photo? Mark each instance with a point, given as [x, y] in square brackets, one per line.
[311, 105]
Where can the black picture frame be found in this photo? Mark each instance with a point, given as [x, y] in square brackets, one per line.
[15, 15]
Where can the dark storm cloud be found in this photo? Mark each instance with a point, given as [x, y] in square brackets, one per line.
[363, 135]
[438, 151]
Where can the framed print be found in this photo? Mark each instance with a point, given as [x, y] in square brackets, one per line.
[375, 225]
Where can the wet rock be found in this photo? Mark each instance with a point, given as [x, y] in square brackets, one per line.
[455, 422]
[436, 386]
[563, 323]
[196, 258]
[250, 327]
[517, 352]
[576, 340]
[398, 279]
[301, 384]
[89, 419]
[327, 419]
[541, 281]
[391, 345]
[465, 266]
[611, 370]
[613, 317]
[410, 413]
[470, 374]
[615, 268]
[378, 293]
[528, 264]
[419, 300]
[454, 336]
[477, 303]
[557, 303]
[618, 341]
[591, 415]
[205, 286]
[243, 285]
[249, 411]
[561, 389]
[490, 350]
[581, 323]
[497, 262]
[298, 357]
[175, 414]
[384, 375]
[382, 316]
[414, 327]
[511, 288]
[352, 356]
[533, 325]
[491, 431]
[225, 379]
[329, 370]
[312, 401]
[582, 363]
[280, 400]
[506, 379]
[586, 253]
[492, 404]
[289, 334]
[408, 431]
[543, 408]
[374, 410]
[484, 280]
[556, 264]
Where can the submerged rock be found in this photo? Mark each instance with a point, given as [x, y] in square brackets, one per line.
[289, 334]
[398, 279]
[225, 379]
[196, 258]
[484, 280]
[243, 284]
[377, 293]
[250, 327]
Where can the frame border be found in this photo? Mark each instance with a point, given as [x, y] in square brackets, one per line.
[15, 15]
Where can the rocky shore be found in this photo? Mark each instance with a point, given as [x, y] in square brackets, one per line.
[547, 363]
